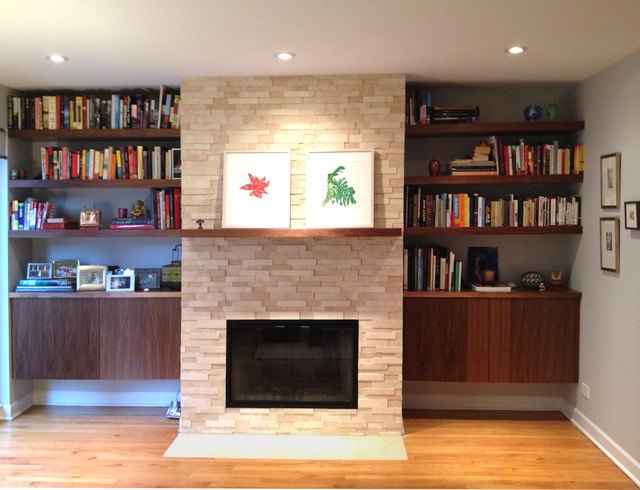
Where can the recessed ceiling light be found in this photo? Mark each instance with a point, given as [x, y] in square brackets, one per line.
[57, 58]
[285, 56]
[516, 50]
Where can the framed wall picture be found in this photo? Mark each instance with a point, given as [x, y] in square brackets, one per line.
[256, 189]
[65, 269]
[339, 191]
[610, 180]
[631, 209]
[39, 270]
[610, 244]
[120, 282]
[91, 278]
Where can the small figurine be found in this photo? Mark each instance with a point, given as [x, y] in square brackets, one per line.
[200, 223]
[139, 210]
[552, 111]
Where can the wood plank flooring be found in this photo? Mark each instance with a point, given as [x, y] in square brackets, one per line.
[116, 447]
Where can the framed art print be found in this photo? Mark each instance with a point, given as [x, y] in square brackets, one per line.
[256, 189]
[610, 180]
[631, 221]
[339, 189]
[39, 270]
[610, 244]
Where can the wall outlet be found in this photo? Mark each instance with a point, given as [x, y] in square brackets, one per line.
[584, 388]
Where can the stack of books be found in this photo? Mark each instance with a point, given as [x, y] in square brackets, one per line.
[64, 223]
[473, 167]
[132, 224]
[453, 114]
[46, 285]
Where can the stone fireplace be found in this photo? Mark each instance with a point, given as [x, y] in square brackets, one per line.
[291, 278]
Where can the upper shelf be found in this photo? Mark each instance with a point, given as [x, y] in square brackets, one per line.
[492, 129]
[94, 134]
[92, 183]
[292, 232]
[494, 179]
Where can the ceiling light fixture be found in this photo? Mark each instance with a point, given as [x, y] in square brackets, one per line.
[57, 58]
[285, 56]
[516, 50]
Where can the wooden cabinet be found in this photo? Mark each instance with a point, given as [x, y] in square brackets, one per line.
[96, 337]
[522, 337]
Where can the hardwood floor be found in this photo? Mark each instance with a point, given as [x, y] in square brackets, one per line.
[116, 447]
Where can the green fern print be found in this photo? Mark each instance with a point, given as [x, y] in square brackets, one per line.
[338, 189]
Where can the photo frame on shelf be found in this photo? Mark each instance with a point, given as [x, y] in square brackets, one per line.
[65, 269]
[90, 218]
[610, 244]
[39, 270]
[256, 189]
[631, 209]
[120, 282]
[148, 279]
[339, 189]
[91, 278]
[483, 266]
[610, 180]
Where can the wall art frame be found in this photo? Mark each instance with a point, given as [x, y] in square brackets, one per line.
[256, 189]
[610, 244]
[631, 221]
[339, 189]
[610, 180]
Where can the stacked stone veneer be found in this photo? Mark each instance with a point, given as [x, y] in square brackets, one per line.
[311, 278]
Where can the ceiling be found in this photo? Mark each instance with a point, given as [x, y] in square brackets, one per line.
[125, 43]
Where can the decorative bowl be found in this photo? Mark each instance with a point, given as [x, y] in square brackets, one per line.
[531, 280]
[532, 112]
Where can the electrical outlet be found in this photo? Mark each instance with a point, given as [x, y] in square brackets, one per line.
[584, 388]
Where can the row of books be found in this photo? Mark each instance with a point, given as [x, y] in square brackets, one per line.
[540, 158]
[431, 268]
[30, 214]
[126, 162]
[419, 111]
[166, 208]
[110, 111]
[447, 210]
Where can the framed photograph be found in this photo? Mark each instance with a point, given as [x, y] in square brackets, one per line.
[176, 163]
[339, 189]
[256, 189]
[148, 279]
[92, 278]
[90, 218]
[39, 270]
[610, 244]
[65, 269]
[631, 221]
[610, 180]
[120, 282]
[483, 266]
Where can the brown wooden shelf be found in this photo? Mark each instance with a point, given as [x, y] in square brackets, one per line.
[447, 180]
[494, 230]
[492, 129]
[92, 183]
[94, 134]
[515, 293]
[292, 232]
[98, 294]
[91, 233]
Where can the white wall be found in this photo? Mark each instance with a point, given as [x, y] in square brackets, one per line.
[610, 315]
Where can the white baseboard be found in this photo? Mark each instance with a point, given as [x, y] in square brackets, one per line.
[482, 402]
[10, 412]
[621, 458]
[104, 398]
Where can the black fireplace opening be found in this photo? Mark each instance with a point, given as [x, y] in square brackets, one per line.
[292, 363]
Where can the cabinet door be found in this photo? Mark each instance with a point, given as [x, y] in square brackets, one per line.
[55, 338]
[140, 338]
[535, 341]
[445, 339]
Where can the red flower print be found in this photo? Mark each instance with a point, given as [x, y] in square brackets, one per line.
[257, 186]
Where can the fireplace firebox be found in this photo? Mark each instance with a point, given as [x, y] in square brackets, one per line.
[292, 363]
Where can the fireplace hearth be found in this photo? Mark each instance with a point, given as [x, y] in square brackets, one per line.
[292, 363]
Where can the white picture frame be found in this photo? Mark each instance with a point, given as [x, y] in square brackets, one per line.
[246, 201]
[120, 283]
[349, 170]
[610, 180]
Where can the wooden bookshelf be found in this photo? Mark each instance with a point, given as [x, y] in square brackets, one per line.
[92, 183]
[98, 294]
[515, 293]
[453, 180]
[492, 129]
[93, 233]
[94, 134]
[292, 232]
[493, 230]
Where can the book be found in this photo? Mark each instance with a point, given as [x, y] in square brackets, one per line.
[499, 287]
[67, 225]
[47, 282]
[113, 226]
[45, 289]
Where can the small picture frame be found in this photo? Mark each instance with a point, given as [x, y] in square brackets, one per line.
[610, 180]
[176, 163]
[90, 218]
[39, 270]
[65, 269]
[148, 279]
[631, 209]
[120, 282]
[610, 244]
[91, 278]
